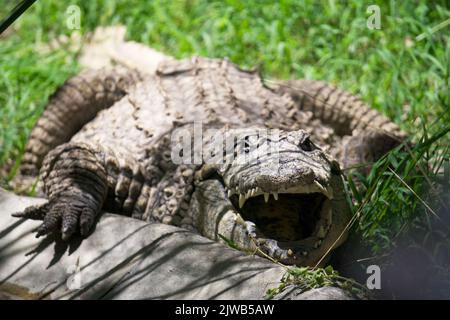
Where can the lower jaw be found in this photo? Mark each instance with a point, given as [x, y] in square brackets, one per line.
[303, 251]
[232, 227]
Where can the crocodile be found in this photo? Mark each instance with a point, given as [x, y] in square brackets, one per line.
[205, 145]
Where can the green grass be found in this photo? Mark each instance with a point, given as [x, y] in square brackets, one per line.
[403, 70]
[305, 279]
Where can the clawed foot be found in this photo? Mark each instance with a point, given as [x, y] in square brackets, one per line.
[68, 216]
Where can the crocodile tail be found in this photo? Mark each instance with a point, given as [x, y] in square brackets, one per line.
[74, 104]
[339, 109]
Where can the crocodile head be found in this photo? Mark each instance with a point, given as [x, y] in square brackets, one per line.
[276, 191]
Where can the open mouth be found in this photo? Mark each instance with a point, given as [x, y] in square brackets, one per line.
[293, 220]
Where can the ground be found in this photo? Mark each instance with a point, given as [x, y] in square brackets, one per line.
[401, 69]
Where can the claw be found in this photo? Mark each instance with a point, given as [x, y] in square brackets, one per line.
[52, 220]
[67, 232]
[33, 212]
[87, 219]
[67, 216]
[69, 222]
[42, 231]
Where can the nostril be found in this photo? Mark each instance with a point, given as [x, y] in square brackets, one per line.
[307, 145]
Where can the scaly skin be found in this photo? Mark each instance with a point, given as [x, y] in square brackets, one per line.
[107, 138]
[80, 99]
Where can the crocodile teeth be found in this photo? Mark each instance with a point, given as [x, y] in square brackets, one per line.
[275, 195]
[229, 193]
[320, 187]
[241, 200]
[317, 244]
[248, 194]
[266, 197]
[321, 233]
[325, 191]
[253, 193]
[238, 218]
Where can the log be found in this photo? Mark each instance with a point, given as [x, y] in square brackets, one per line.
[125, 258]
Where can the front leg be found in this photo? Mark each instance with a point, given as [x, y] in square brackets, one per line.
[75, 182]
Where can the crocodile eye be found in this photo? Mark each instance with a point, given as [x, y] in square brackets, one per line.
[307, 145]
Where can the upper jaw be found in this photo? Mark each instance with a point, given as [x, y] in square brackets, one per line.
[245, 194]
